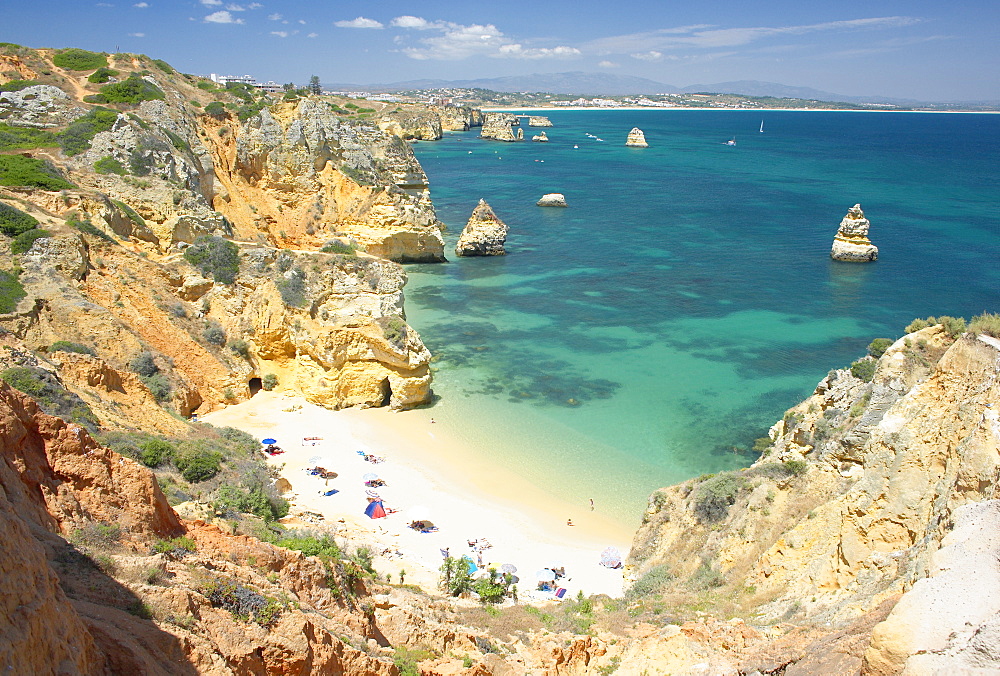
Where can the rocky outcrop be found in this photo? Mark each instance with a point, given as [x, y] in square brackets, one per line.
[552, 199]
[412, 123]
[854, 493]
[42, 106]
[636, 139]
[540, 138]
[459, 118]
[539, 121]
[851, 242]
[484, 233]
[500, 127]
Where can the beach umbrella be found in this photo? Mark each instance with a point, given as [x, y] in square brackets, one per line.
[268, 441]
[508, 568]
[611, 557]
[371, 476]
[545, 575]
[556, 565]
[470, 564]
[375, 510]
[418, 514]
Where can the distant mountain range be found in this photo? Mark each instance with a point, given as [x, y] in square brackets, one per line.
[609, 84]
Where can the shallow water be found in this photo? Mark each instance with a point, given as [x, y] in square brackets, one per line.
[652, 330]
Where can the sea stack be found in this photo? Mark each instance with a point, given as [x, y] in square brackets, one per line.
[552, 199]
[484, 234]
[540, 138]
[851, 242]
[636, 139]
[539, 121]
[499, 126]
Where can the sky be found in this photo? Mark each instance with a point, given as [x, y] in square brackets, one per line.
[918, 49]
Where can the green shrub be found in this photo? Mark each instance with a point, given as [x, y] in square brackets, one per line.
[197, 464]
[863, 369]
[88, 228]
[215, 257]
[79, 59]
[293, 288]
[68, 346]
[109, 165]
[706, 577]
[215, 108]
[18, 170]
[176, 547]
[714, 496]
[130, 213]
[153, 452]
[143, 364]
[176, 141]
[795, 467]
[77, 136]
[394, 329]
[916, 325]
[762, 444]
[342, 248]
[102, 75]
[11, 291]
[214, 334]
[14, 138]
[953, 326]
[244, 603]
[323, 545]
[251, 500]
[240, 347]
[133, 90]
[652, 582]
[51, 395]
[163, 65]
[269, 381]
[158, 386]
[877, 347]
[987, 323]
[22, 243]
[18, 85]
[13, 221]
[97, 535]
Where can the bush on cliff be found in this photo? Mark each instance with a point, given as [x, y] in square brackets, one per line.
[50, 394]
[714, 496]
[197, 463]
[14, 138]
[954, 326]
[864, 369]
[17, 85]
[250, 500]
[18, 170]
[143, 364]
[13, 221]
[11, 292]
[77, 137]
[877, 347]
[154, 452]
[133, 90]
[216, 257]
[102, 75]
[79, 59]
[987, 323]
[109, 165]
[23, 242]
[69, 346]
[293, 288]
[269, 381]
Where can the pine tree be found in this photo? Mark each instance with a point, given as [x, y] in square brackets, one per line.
[314, 87]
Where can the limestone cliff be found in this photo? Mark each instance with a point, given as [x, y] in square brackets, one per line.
[484, 234]
[539, 121]
[412, 123]
[459, 118]
[540, 138]
[636, 139]
[500, 127]
[851, 242]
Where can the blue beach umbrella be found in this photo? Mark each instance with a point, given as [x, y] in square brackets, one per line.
[269, 441]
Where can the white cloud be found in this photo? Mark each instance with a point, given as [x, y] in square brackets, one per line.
[608, 64]
[313, 35]
[254, 5]
[651, 55]
[360, 22]
[104, 4]
[232, 7]
[457, 41]
[221, 17]
[211, 3]
[302, 22]
[137, 35]
[280, 34]
[141, 5]
[274, 17]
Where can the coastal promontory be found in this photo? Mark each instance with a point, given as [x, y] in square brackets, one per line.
[851, 242]
[484, 234]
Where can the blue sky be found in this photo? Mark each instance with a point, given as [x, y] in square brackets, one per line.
[912, 49]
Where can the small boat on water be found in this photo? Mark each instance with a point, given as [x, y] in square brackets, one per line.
[731, 142]
[762, 126]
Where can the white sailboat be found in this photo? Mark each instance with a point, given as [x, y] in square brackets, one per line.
[731, 142]
[762, 126]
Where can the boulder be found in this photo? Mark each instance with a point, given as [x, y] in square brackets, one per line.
[539, 121]
[540, 138]
[851, 242]
[484, 234]
[552, 199]
[636, 139]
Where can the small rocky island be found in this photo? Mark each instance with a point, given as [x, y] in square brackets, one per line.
[851, 242]
[500, 126]
[484, 234]
[636, 139]
[552, 199]
[540, 138]
[539, 121]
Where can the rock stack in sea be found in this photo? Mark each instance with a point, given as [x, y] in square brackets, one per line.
[539, 121]
[540, 138]
[636, 139]
[851, 242]
[499, 126]
[552, 199]
[484, 234]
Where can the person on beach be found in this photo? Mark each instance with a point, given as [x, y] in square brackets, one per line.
[569, 522]
[592, 504]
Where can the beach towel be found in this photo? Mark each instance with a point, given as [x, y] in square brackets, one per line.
[561, 592]
[331, 491]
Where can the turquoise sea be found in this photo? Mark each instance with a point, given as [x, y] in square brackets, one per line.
[649, 332]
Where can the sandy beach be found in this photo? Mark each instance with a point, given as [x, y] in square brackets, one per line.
[466, 498]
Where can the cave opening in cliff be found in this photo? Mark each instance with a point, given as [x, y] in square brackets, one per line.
[254, 385]
[386, 393]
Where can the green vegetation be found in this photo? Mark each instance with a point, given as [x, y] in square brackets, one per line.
[17, 85]
[196, 463]
[13, 221]
[54, 399]
[987, 323]
[240, 347]
[11, 291]
[16, 138]
[406, 660]
[877, 347]
[102, 75]
[394, 329]
[216, 109]
[77, 137]
[652, 582]
[293, 288]
[714, 496]
[143, 364]
[154, 452]
[163, 65]
[79, 59]
[132, 91]
[18, 170]
[251, 500]
[244, 603]
[97, 535]
[323, 546]
[954, 326]
[214, 334]
[130, 213]
[176, 547]
[23, 242]
[864, 369]
[341, 248]
[88, 228]
[216, 257]
[109, 165]
[176, 141]
[269, 381]
[68, 346]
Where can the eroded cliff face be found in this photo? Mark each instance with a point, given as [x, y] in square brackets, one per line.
[853, 496]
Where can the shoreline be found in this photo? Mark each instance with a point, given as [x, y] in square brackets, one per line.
[507, 109]
[466, 496]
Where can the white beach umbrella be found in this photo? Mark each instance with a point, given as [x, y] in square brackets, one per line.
[545, 575]
[508, 568]
[371, 476]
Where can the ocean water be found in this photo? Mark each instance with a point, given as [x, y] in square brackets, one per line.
[649, 332]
